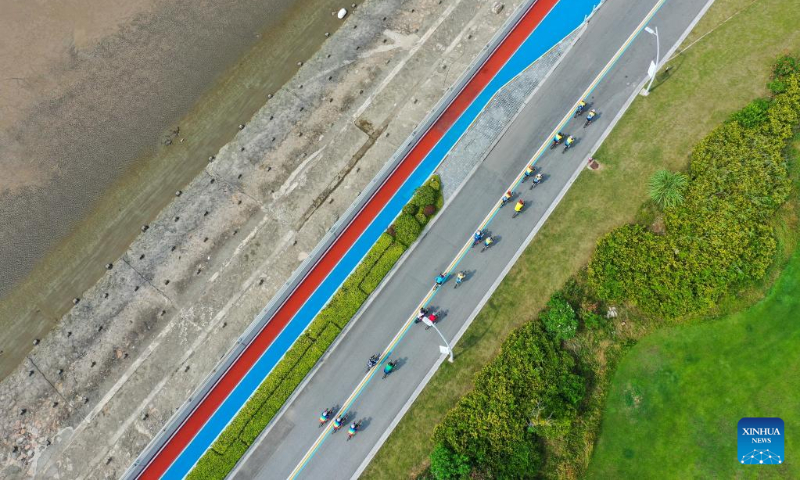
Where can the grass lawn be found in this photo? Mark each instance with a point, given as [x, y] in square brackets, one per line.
[676, 397]
[719, 74]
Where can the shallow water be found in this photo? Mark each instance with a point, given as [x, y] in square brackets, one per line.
[83, 160]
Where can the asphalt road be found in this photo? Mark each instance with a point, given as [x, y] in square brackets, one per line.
[290, 436]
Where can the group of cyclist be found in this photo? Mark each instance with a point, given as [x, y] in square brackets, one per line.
[570, 140]
[341, 419]
[338, 422]
[537, 179]
[480, 236]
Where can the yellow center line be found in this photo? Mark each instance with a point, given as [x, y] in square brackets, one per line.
[484, 223]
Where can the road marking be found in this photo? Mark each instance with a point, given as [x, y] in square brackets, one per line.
[468, 245]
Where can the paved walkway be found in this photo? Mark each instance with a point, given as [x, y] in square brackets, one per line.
[294, 443]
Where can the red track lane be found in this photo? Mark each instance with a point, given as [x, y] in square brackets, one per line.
[184, 435]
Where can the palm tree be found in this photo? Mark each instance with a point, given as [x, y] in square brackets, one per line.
[666, 188]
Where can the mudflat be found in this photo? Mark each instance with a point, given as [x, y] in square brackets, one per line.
[108, 108]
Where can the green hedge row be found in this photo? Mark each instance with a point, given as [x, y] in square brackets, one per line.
[528, 393]
[270, 396]
[720, 236]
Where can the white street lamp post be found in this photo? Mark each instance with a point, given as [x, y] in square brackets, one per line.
[444, 349]
[653, 66]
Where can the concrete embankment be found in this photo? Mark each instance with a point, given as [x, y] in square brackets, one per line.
[96, 389]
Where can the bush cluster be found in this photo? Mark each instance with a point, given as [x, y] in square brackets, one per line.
[527, 393]
[785, 67]
[406, 229]
[270, 396]
[427, 200]
[719, 237]
[559, 319]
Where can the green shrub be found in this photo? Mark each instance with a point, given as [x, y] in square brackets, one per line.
[785, 67]
[647, 214]
[528, 391]
[776, 86]
[559, 319]
[407, 229]
[666, 188]
[592, 320]
[410, 209]
[379, 271]
[719, 237]
[754, 114]
[435, 182]
[448, 465]
[362, 270]
[346, 302]
[425, 195]
[384, 241]
[421, 218]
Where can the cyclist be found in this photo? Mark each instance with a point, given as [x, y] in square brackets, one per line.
[488, 242]
[537, 179]
[529, 171]
[569, 142]
[353, 429]
[477, 237]
[389, 367]
[440, 279]
[373, 360]
[557, 139]
[506, 197]
[460, 278]
[324, 416]
[581, 106]
[590, 116]
[337, 423]
[519, 206]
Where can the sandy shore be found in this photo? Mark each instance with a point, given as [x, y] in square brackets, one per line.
[107, 110]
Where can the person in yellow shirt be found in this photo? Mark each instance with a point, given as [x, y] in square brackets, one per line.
[557, 139]
[581, 106]
[529, 171]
